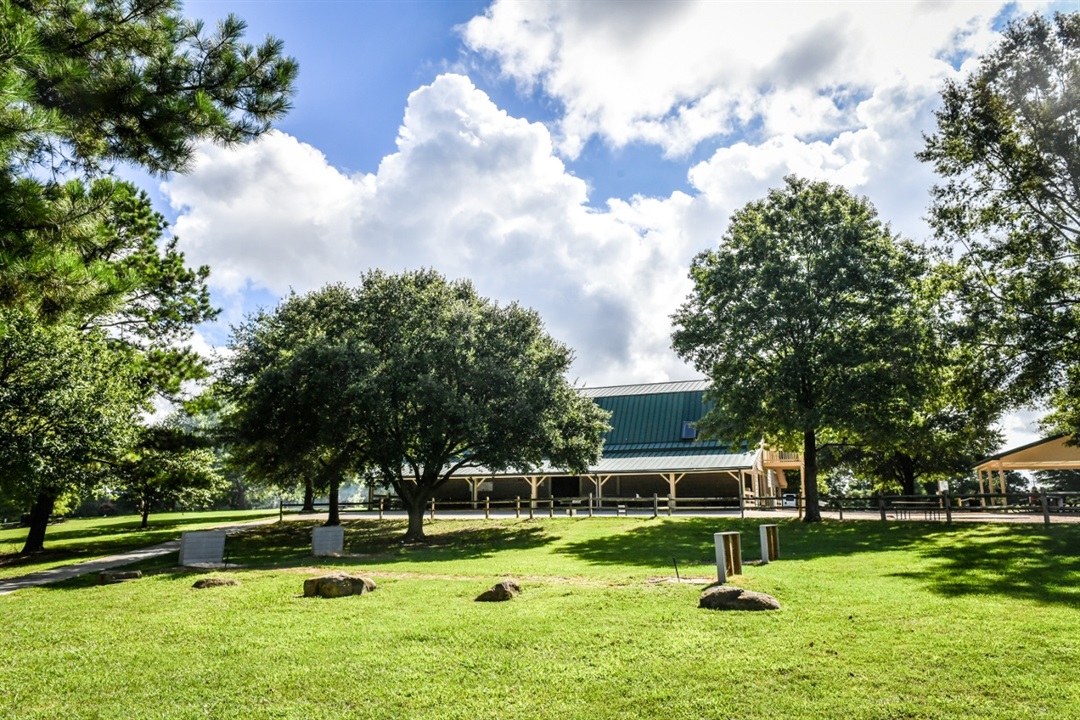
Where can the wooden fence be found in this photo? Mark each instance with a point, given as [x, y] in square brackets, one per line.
[941, 507]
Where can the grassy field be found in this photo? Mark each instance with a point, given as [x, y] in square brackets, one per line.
[879, 621]
[77, 540]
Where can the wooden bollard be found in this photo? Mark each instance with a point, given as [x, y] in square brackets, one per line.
[487, 508]
[590, 504]
[770, 543]
[432, 508]
[728, 555]
[517, 507]
[655, 505]
[380, 508]
[551, 508]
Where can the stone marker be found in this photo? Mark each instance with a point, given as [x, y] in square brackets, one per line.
[337, 585]
[202, 547]
[214, 582]
[770, 543]
[110, 577]
[500, 592]
[728, 555]
[327, 540]
[729, 597]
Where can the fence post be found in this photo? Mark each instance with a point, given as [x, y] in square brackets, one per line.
[655, 506]
[532, 508]
[590, 504]
[947, 501]
[840, 505]
[551, 508]
[881, 506]
[517, 507]
[487, 508]
[670, 505]
[280, 509]
[432, 508]
[380, 508]
[742, 500]
[1045, 506]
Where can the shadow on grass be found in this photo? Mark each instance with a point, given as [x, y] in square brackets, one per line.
[379, 542]
[1019, 561]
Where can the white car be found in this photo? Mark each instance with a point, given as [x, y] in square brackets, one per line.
[789, 500]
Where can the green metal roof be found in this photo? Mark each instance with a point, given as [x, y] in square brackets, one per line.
[646, 419]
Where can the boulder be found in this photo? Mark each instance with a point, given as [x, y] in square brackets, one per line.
[214, 582]
[337, 585]
[109, 577]
[500, 592]
[729, 597]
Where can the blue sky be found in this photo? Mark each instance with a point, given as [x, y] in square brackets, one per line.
[571, 156]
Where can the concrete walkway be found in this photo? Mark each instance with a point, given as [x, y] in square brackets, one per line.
[67, 572]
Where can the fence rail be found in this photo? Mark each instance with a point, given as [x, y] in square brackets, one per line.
[940, 507]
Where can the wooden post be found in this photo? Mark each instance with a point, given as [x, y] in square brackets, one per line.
[590, 504]
[517, 507]
[948, 505]
[487, 508]
[280, 509]
[1045, 506]
[432, 508]
[881, 505]
[670, 504]
[380, 508]
[799, 503]
[840, 505]
[655, 506]
[532, 508]
[551, 508]
[742, 498]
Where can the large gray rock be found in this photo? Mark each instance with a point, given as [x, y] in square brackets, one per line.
[214, 582]
[729, 597]
[500, 592]
[337, 585]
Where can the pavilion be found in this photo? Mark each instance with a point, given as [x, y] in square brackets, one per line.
[651, 448]
[1053, 453]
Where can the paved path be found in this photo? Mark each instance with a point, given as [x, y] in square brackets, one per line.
[66, 572]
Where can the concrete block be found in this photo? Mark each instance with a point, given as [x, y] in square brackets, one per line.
[327, 540]
[202, 547]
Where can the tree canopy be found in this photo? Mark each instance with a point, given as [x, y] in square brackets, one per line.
[69, 407]
[90, 83]
[1008, 152]
[410, 379]
[805, 319]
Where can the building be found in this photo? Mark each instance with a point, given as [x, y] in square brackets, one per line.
[651, 448]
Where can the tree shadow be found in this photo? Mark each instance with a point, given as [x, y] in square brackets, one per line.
[376, 542]
[1019, 561]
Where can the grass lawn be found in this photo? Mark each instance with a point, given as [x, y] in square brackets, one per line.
[82, 539]
[904, 620]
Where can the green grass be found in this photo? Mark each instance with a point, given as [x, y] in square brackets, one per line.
[77, 540]
[879, 621]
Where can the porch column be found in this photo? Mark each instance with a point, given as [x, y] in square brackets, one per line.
[1001, 482]
[982, 488]
[598, 481]
[534, 483]
[672, 481]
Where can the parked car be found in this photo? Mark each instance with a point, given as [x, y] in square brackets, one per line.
[790, 500]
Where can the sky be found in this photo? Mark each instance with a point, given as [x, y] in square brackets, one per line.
[571, 156]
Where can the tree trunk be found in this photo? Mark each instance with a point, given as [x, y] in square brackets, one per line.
[39, 522]
[309, 497]
[813, 509]
[145, 514]
[415, 505]
[334, 517]
[907, 475]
